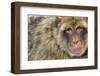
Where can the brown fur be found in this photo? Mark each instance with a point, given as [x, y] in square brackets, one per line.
[47, 40]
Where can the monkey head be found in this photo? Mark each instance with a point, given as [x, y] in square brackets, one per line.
[72, 35]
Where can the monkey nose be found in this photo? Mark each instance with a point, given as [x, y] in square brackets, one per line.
[76, 45]
[75, 39]
[76, 42]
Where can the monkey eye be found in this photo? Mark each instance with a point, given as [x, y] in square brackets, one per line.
[69, 30]
[79, 29]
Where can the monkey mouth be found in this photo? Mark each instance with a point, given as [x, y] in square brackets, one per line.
[76, 48]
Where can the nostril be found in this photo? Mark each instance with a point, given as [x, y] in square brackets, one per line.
[75, 42]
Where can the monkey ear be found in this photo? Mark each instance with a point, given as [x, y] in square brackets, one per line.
[57, 21]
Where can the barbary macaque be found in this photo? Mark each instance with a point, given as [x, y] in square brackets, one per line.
[59, 37]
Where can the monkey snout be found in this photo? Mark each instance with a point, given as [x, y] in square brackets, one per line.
[76, 44]
[75, 40]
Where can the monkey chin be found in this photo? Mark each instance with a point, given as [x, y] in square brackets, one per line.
[76, 52]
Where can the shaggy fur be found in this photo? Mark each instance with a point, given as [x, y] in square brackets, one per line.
[46, 41]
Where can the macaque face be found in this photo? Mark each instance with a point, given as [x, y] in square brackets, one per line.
[74, 35]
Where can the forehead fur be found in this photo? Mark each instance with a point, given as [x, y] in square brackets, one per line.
[74, 21]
